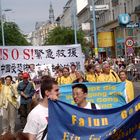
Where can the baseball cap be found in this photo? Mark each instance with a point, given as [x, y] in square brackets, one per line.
[25, 75]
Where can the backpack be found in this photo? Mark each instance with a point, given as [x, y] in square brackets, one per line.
[45, 132]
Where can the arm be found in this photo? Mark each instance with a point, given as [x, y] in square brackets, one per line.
[32, 90]
[14, 90]
[20, 90]
[31, 136]
[31, 128]
[1, 97]
[130, 91]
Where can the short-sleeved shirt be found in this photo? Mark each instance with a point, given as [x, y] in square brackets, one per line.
[88, 106]
[37, 121]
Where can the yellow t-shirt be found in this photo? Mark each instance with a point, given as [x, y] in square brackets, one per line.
[90, 77]
[0, 87]
[73, 76]
[129, 90]
[65, 80]
[111, 77]
[58, 79]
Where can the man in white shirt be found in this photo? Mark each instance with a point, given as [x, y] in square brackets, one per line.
[32, 72]
[79, 93]
[37, 120]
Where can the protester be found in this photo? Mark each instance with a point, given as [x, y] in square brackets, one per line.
[73, 72]
[39, 73]
[37, 121]
[26, 91]
[46, 71]
[97, 70]
[65, 79]
[79, 93]
[59, 75]
[9, 104]
[32, 72]
[129, 85]
[90, 75]
[80, 77]
[1, 85]
[107, 74]
[114, 66]
[130, 68]
[56, 69]
[19, 78]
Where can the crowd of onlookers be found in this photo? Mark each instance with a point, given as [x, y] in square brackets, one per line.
[17, 94]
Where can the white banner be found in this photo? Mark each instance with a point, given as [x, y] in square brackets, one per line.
[14, 59]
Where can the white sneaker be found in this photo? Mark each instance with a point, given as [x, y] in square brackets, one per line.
[3, 133]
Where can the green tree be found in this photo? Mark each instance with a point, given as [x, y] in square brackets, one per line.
[12, 35]
[64, 36]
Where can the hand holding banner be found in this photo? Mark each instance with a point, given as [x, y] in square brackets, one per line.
[69, 122]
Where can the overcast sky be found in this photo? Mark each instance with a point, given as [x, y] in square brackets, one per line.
[26, 12]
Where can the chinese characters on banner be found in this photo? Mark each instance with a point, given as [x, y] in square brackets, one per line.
[14, 59]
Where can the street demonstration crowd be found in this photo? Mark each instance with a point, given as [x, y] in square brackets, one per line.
[28, 94]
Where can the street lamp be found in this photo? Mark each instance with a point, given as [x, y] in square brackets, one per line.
[2, 23]
[94, 29]
[2, 29]
[75, 21]
[96, 8]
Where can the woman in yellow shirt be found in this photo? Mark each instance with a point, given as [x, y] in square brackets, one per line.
[65, 79]
[97, 70]
[90, 75]
[129, 85]
[9, 104]
[1, 112]
[0, 85]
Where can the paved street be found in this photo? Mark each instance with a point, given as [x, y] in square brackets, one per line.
[137, 88]
[137, 92]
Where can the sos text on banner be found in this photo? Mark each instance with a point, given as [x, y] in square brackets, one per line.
[68, 122]
[14, 59]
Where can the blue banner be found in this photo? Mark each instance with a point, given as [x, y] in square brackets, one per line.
[106, 95]
[68, 122]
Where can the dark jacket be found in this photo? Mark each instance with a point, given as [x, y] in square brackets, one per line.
[28, 89]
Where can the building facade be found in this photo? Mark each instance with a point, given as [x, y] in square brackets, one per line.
[37, 37]
[107, 21]
[66, 17]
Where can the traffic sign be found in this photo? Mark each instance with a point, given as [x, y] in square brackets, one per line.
[129, 42]
[100, 7]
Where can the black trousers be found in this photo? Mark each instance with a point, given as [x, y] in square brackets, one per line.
[24, 111]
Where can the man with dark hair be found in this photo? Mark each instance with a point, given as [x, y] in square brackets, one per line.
[37, 120]
[26, 90]
[8, 102]
[79, 93]
[73, 72]
[129, 85]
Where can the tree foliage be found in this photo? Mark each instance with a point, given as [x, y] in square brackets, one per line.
[64, 36]
[12, 35]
